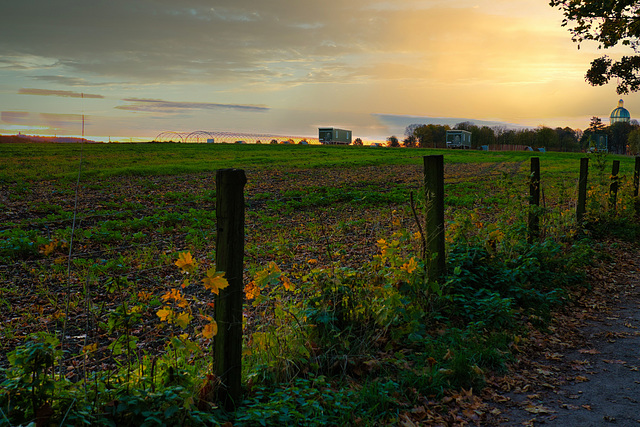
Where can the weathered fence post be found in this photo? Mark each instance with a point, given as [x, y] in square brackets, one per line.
[534, 200]
[434, 232]
[581, 209]
[227, 344]
[613, 187]
[636, 186]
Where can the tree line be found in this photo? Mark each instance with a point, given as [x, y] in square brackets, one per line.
[623, 138]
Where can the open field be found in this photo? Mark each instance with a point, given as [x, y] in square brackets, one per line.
[337, 215]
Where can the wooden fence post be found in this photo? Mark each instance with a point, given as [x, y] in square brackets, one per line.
[434, 232]
[636, 186]
[227, 344]
[534, 200]
[613, 187]
[581, 209]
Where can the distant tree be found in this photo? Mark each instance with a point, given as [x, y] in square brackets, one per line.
[468, 126]
[410, 141]
[424, 135]
[483, 136]
[633, 141]
[498, 132]
[618, 137]
[431, 136]
[568, 139]
[608, 23]
[392, 141]
[547, 138]
[410, 130]
[526, 137]
[357, 141]
[596, 125]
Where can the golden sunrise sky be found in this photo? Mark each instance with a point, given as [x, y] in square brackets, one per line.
[288, 67]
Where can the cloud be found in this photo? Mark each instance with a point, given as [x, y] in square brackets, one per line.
[15, 117]
[62, 93]
[58, 122]
[171, 107]
[63, 80]
[63, 121]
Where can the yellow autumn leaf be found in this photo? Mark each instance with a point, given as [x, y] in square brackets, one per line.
[48, 249]
[273, 267]
[287, 284]
[210, 330]
[215, 281]
[186, 262]
[164, 313]
[144, 296]
[251, 290]
[90, 348]
[175, 295]
[410, 266]
[183, 319]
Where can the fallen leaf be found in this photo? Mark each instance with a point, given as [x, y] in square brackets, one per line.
[615, 362]
[538, 409]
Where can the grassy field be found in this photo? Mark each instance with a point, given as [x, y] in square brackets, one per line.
[54, 161]
[338, 312]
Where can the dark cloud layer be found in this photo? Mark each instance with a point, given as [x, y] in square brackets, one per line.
[170, 107]
[14, 117]
[62, 93]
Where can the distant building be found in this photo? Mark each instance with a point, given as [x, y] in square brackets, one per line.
[620, 114]
[458, 139]
[334, 136]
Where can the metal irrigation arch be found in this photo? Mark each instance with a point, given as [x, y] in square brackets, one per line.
[170, 136]
[221, 137]
[200, 136]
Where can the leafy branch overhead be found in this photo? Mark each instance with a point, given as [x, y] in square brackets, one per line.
[610, 23]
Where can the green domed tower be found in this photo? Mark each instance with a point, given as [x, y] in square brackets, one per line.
[620, 114]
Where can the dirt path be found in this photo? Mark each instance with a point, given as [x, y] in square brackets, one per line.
[587, 373]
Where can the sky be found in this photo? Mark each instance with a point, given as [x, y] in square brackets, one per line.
[136, 68]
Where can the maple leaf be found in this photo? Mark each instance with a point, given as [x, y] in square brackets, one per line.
[210, 330]
[186, 262]
[164, 313]
[183, 319]
[215, 281]
[175, 295]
